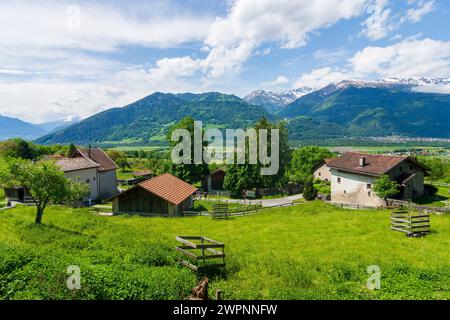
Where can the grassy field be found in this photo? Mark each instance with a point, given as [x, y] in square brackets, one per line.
[201, 205]
[310, 251]
[441, 199]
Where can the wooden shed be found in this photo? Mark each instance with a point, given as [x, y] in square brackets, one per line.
[214, 181]
[164, 194]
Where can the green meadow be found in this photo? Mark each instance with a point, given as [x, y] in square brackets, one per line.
[309, 251]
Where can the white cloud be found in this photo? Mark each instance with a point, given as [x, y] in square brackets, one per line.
[322, 77]
[232, 40]
[279, 81]
[377, 25]
[416, 14]
[381, 21]
[409, 58]
[54, 24]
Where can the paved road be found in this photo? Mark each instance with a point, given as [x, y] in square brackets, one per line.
[263, 202]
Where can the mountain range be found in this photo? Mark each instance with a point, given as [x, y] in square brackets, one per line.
[13, 127]
[351, 108]
[146, 121]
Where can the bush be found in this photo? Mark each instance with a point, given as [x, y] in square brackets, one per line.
[309, 191]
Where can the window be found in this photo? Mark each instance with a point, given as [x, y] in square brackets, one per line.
[338, 180]
[320, 174]
[400, 169]
[88, 181]
[411, 167]
[93, 178]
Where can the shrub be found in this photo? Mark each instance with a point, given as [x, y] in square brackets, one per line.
[309, 191]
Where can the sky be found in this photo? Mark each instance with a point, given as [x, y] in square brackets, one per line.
[60, 59]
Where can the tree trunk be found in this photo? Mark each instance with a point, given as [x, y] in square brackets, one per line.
[40, 212]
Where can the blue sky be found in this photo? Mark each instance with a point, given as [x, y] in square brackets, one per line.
[76, 58]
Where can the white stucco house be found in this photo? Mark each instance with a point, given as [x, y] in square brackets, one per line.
[93, 167]
[353, 176]
[323, 171]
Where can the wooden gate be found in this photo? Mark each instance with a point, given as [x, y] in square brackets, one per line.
[220, 211]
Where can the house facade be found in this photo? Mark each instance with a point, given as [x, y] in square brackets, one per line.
[322, 171]
[353, 177]
[164, 194]
[93, 167]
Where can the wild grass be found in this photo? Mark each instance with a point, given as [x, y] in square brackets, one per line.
[308, 251]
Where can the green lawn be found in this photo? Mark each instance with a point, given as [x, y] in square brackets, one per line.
[309, 251]
[201, 205]
[441, 199]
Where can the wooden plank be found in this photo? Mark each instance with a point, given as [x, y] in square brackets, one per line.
[190, 254]
[213, 241]
[400, 220]
[400, 225]
[214, 251]
[211, 256]
[189, 265]
[421, 216]
[401, 230]
[186, 242]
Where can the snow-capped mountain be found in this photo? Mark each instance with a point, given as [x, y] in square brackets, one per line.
[275, 101]
[429, 85]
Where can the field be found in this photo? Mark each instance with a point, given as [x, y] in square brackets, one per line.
[310, 251]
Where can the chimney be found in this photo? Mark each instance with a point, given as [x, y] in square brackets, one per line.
[362, 161]
[89, 151]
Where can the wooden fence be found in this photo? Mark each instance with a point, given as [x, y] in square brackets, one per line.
[250, 209]
[409, 223]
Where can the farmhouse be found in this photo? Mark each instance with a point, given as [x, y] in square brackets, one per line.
[323, 171]
[354, 174]
[214, 181]
[93, 167]
[164, 194]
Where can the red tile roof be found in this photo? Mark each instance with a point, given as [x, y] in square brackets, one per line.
[100, 157]
[169, 188]
[376, 165]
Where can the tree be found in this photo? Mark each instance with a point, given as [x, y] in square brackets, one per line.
[115, 154]
[43, 181]
[309, 190]
[123, 163]
[304, 160]
[71, 151]
[17, 148]
[189, 172]
[385, 188]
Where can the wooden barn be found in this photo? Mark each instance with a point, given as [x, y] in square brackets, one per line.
[214, 181]
[164, 194]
